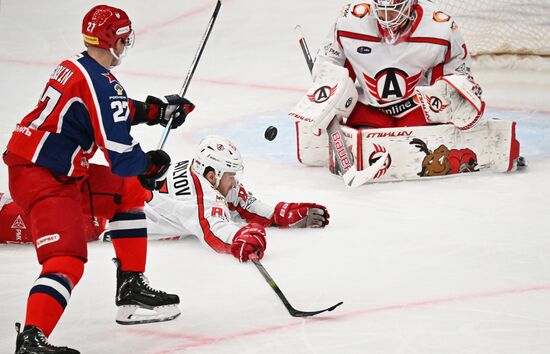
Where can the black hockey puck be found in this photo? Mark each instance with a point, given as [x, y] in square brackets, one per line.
[270, 133]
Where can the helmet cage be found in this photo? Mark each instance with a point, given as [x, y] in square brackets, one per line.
[392, 16]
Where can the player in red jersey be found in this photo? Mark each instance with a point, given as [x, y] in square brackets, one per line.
[83, 108]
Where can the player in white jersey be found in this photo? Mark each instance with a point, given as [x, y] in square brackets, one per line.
[204, 198]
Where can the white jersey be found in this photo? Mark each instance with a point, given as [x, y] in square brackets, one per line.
[387, 74]
[187, 204]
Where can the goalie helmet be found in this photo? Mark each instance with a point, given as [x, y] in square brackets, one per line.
[104, 25]
[394, 17]
[218, 153]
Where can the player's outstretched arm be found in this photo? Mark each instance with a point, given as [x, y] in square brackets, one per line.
[300, 215]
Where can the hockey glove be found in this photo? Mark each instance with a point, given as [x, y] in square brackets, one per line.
[250, 239]
[157, 166]
[160, 110]
[300, 215]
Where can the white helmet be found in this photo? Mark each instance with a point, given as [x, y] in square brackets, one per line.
[393, 16]
[218, 153]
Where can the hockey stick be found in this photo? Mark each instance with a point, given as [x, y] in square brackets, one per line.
[351, 176]
[189, 76]
[293, 312]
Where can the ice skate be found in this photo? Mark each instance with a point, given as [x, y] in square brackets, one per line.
[33, 341]
[139, 303]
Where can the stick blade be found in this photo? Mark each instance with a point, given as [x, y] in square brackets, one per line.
[356, 178]
[297, 313]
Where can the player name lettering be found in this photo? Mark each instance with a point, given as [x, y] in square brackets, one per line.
[181, 181]
[61, 75]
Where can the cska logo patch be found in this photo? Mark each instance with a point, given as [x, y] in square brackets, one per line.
[220, 147]
[119, 90]
[391, 84]
[322, 94]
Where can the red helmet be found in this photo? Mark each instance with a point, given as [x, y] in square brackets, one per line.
[103, 25]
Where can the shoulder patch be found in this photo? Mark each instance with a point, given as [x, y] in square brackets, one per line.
[361, 10]
[344, 11]
[440, 16]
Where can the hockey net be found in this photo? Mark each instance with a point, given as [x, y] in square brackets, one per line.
[504, 33]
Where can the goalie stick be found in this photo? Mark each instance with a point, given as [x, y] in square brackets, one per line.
[293, 312]
[194, 64]
[351, 176]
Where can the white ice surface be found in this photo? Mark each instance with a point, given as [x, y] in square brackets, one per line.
[459, 265]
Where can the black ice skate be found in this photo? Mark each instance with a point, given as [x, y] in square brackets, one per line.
[33, 341]
[139, 303]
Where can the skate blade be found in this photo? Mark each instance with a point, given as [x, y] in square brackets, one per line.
[133, 314]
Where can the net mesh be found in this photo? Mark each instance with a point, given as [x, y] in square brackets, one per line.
[498, 27]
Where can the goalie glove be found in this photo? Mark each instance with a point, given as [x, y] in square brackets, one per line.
[454, 99]
[250, 239]
[300, 215]
[333, 94]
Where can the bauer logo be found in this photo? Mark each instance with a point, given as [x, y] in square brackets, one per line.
[364, 50]
[44, 240]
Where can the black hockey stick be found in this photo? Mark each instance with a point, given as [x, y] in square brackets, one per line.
[351, 176]
[293, 312]
[192, 69]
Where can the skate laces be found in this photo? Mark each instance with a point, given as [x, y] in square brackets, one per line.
[145, 281]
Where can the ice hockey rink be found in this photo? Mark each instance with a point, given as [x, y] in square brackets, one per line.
[455, 265]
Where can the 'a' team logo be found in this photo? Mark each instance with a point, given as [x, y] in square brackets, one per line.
[436, 105]
[391, 84]
[322, 94]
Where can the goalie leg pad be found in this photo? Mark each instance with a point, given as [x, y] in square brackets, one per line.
[311, 149]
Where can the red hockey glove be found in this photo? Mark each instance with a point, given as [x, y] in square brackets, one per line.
[161, 109]
[157, 166]
[300, 215]
[249, 240]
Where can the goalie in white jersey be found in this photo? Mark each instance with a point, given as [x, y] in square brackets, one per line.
[396, 74]
[203, 197]
[391, 48]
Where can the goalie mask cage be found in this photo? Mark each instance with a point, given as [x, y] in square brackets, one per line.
[504, 32]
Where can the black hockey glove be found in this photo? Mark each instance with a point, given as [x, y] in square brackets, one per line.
[158, 164]
[161, 109]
